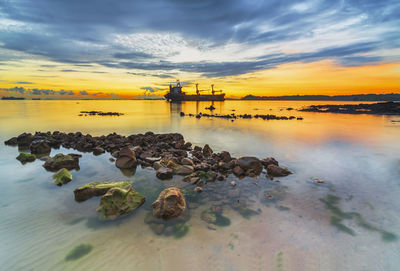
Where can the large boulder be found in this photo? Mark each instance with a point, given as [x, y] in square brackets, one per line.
[63, 176]
[59, 161]
[40, 147]
[96, 189]
[225, 156]
[277, 171]
[169, 204]
[250, 165]
[26, 157]
[119, 201]
[126, 159]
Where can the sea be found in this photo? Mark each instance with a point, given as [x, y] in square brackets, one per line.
[339, 210]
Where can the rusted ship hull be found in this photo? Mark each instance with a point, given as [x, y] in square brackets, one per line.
[178, 97]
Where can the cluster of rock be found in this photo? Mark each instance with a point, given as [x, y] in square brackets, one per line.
[386, 108]
[99, 113]
[168, 154]
[233, 116]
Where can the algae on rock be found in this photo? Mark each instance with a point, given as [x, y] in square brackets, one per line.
[119, 201]
[63, 176]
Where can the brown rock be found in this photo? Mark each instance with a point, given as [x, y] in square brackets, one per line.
[169, 204]
[250, 163]
[207, 151]
[277, 171]
[164, 173]
[126, 162]
[225, 156]
[187, 161]
[269, 161]
[238, 171]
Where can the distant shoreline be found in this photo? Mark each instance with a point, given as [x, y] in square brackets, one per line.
[351, 98]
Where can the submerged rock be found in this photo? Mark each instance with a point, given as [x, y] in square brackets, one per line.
[59, 161]
[96, 189]
[164, 173]
[277, 171]
[269, 161]
[184, 170]
[12, 141]
[26, 157]
[169, 204]
[119, 201]
[63, 176]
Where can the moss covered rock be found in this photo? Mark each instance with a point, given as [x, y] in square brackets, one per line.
[96, 189]
[63, 176]
[59, 161]
[26, 157]
[119, 201]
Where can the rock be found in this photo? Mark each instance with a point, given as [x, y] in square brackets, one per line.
[115, 154]
[197, 149]
[63, 176]
[98, 150]
[96, 189]
[164, 173]
[59, 161]
[225, 156]
[187, 161]
[157, 165]
[238, 171]
[126, 162]
[24, 140]
[250, 163]
[119, 201]
[40, 147]
[207, 151]
[26, 157]
[233, 183]
[198, 189]
[112, 160]
[169, 204]
[277, 171]
[184, 170]
[269, 161]
[11, 142]
[194, 180]
[127, 152]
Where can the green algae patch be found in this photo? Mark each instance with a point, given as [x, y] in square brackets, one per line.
[63, 176]
[78, 252]
[180, 230]
[337, 222]
[331, 202]
[279, 261]
[26, 158]
[222, 221]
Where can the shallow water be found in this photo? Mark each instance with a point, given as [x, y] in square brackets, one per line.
[349, 222]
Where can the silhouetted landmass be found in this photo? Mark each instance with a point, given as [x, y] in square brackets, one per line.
[357, 97]
[388, 108]
[12, 98]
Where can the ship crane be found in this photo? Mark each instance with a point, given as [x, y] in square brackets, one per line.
[197, 89]
[213, 91]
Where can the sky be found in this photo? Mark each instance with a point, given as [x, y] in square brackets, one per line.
[73, 49]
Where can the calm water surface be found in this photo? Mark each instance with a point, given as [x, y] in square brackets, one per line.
[349, 222]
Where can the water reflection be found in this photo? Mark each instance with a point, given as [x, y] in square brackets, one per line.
[293, 223]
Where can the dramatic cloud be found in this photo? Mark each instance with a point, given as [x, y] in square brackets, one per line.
[208, 38]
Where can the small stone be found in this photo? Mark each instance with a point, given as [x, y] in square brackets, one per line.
[233, 183]
[277, 171]
[187, 161]
[207, 151]
[198, 189]
[184, 170]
